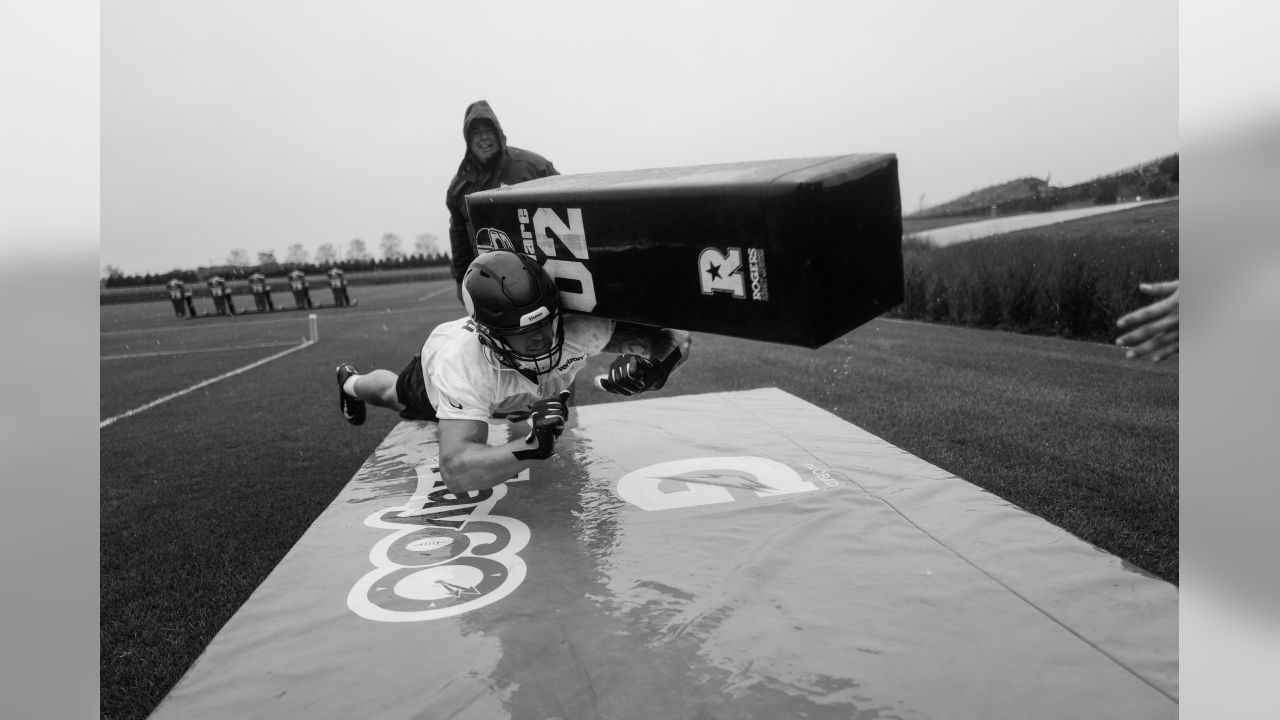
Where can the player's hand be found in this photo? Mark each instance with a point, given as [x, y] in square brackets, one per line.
[1152, 330]
[548, 416]
[546, 420]
[633, 374]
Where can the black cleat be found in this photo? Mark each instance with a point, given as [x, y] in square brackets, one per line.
[352, 408]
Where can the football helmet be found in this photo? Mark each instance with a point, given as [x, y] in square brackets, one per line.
[515, 307]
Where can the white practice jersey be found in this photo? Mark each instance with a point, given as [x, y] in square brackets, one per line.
[465, 383]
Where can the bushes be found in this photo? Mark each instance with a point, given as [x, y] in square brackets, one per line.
[1072, 280]
[1155, 179]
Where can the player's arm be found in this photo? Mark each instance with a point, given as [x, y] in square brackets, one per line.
[646, 357]
[469, 463]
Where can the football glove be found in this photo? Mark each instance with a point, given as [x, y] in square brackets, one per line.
[546, 421]
[633, 374]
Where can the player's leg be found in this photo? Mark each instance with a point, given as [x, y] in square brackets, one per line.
[376, 387]
[411, 392]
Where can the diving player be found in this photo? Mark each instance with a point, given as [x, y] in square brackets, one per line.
[514, 356]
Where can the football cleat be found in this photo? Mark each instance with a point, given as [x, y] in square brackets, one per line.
[352, 408]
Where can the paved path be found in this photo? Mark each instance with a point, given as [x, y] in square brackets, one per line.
[985, 228]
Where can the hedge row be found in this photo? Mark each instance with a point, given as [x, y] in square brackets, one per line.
[1071, 283]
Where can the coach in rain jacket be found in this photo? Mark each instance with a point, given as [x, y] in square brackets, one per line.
[489, 163]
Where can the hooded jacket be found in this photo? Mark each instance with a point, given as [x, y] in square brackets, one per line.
[510, 165]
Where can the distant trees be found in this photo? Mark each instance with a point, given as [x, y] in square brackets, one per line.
[426, 244]
[296, 255]
[326, 254]
[427, 252]
[1155, 179]
[1106, 191]
[357, 251]
[391, 247]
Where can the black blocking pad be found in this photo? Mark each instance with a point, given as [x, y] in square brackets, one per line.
[796, 251]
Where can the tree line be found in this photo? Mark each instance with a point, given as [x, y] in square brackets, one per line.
[1156, 179]
[354, 257]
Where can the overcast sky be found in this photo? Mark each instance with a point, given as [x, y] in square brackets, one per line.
[257, 125]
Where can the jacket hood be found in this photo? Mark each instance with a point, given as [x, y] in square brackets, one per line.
[480, 110]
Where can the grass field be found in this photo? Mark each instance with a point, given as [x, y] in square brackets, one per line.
[1072, 279]
[203, 494]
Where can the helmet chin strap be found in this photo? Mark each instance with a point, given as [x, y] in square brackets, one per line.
[504, 356]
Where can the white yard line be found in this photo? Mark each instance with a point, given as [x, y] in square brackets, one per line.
[199, 385]
[184, 352]
[440, 291]
[189, 328]
[315, 335]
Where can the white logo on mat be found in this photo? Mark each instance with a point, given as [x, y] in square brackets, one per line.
[707, 481]
[448, 555]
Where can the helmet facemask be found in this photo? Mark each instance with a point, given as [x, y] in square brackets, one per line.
[513, 348]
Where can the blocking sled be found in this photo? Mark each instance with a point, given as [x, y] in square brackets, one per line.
[797, 251]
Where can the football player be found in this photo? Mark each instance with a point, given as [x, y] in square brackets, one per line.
[261, 292]
[513, 357]
[338, 284]
[175, 290]
[301, 290]
[217, 292]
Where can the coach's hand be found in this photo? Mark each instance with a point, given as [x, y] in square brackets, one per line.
[546, 420]
[1152, 330]
[633, 374]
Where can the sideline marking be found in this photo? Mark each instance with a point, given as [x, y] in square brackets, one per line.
[199, 385]
[182, 328]
[184, 352]
[982, 229]
[434, 293]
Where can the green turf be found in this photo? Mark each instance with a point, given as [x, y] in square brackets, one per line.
[201, 496]
[1072, 279]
